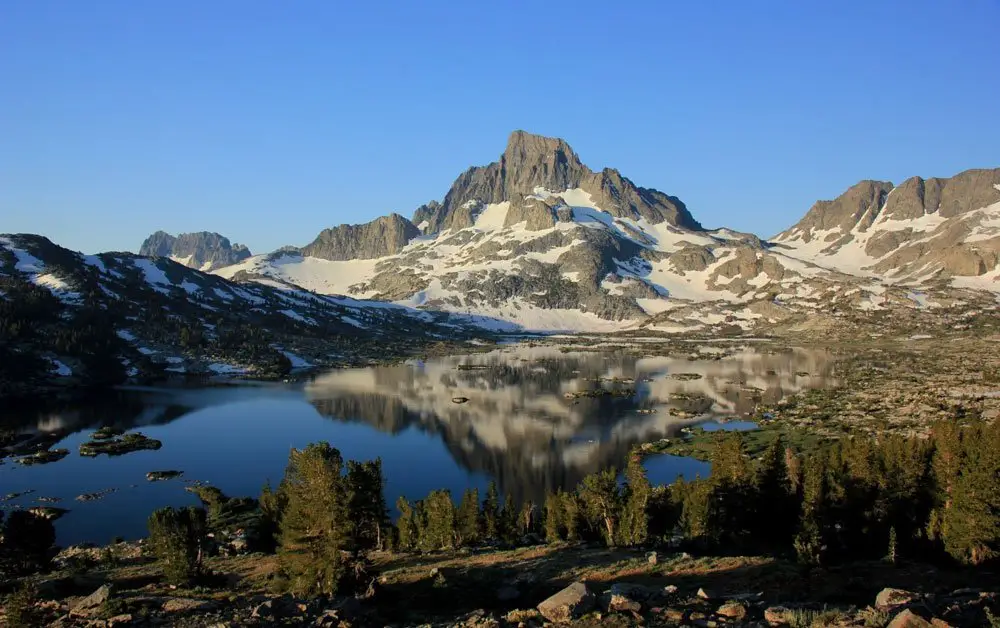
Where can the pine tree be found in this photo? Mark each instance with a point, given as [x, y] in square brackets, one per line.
[315, 526]
[25, 543]
[491, 513]
[696, 512]
[732, 489]
[971, 525]
[572, 516]
[809, 540]
[272, 504]
[176, 537]
[508, 521]
[407, 526]
[635, 520]
[468, 524]
[366, 499]
[554, 529]
[601, 500]
[774, 513]
[438, 529]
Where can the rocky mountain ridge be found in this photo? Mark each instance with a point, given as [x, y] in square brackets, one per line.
[538, 241]
[920, 231]
[203, 250]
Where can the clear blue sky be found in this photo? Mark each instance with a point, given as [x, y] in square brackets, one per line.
[268, 121]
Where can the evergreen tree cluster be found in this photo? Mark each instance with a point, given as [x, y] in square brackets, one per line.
[26, 543]
[856, 498]
[435, 523]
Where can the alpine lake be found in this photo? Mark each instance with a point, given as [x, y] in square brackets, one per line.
[532, 418]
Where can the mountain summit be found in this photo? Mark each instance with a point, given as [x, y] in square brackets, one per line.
[203, 250]
[534, 164]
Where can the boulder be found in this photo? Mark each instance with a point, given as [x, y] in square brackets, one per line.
[186, 605]
[732, 610]
[622, 604]
[568, 604]
[908, 619]
[777, 615]
[93, 602]
[894, 598]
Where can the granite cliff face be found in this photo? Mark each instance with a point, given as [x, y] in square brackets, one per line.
[203, 250]
[378, 238]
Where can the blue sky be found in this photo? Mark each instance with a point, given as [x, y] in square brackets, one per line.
[268, 121]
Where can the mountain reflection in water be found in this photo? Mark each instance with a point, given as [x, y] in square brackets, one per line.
[522, 426]
[519, 427]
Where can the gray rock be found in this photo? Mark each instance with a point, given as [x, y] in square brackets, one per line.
[93, 602]
[202, 250]
[890, 598]
[732, 610]
[570, 603]
[381, 237]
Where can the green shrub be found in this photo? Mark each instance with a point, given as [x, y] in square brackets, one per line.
[176, 537]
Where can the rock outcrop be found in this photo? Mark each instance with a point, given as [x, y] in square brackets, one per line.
[923, 229]
[383, 236]
[203, 250]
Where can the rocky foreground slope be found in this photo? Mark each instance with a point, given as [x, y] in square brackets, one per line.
[537, 240]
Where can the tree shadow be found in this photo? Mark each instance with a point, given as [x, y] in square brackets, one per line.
[422, 588]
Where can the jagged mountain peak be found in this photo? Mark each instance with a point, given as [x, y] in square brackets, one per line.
[532, 163]
[205, 250]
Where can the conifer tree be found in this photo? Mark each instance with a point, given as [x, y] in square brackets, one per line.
[732, 489]
[176, 538]
[468, 518]
[438, 530]
[601, 500]
[971, 524]
[809, 540]
[272, 504]
[508, 520]
[25, 543]
[407, 526]
[696, 512]
[491, 513]
[774, 513]
[634, 526]
[571, 515]
[316, 525]
[366, 503]
[554, 529]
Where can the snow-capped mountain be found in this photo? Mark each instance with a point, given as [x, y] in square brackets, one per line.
[542, 242]
[203, 250]
[922, 232]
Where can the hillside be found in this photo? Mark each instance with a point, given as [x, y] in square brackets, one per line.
[104, 319]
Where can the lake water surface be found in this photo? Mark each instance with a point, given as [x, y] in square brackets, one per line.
[523, 425]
